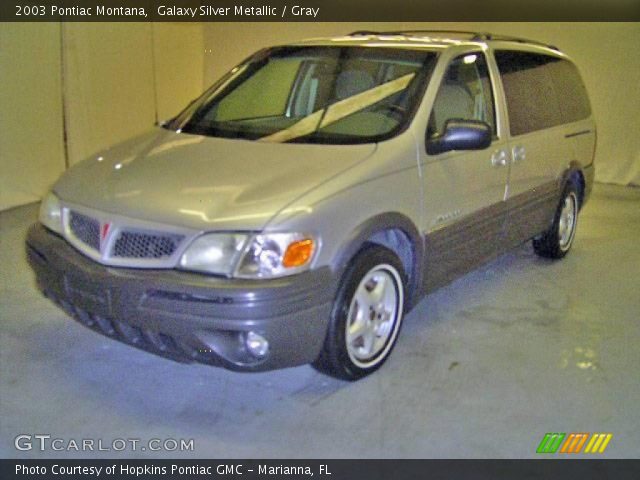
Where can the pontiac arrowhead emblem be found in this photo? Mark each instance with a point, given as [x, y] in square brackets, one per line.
[104, 231]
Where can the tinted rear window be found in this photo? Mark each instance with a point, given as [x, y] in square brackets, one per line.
[541, 91]
[570, 90]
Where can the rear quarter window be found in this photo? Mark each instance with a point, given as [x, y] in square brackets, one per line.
[541, 91]
[570, 91]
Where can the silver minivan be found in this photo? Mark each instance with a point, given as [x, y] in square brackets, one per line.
[300, 207]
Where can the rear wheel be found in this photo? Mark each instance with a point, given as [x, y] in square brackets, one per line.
[556, 242]
[366, 316]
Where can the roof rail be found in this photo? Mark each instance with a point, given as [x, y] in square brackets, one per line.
[409, 32]
[507, 38]
[473, 36]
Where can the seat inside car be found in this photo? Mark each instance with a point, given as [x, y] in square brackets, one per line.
[352, 82]
[452, 101]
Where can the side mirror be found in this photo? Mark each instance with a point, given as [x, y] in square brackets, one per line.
[460, 135]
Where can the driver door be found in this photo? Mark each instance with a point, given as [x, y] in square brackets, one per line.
[464, 190]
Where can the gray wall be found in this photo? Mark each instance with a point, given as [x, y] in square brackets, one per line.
[104, 82]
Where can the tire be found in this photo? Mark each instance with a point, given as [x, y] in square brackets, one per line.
[366, 316]
[556, 242]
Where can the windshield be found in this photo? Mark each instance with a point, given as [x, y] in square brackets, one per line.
[313, 95]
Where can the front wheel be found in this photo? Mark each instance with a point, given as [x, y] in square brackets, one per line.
[556, 242]
[366, 316]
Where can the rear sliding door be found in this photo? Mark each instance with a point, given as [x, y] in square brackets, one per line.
[541, 108]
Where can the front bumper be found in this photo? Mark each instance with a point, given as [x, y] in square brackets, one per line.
[185, 316]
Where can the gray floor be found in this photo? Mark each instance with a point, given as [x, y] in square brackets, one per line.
[483, 368]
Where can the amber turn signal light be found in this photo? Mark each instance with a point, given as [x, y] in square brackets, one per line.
[298, 253]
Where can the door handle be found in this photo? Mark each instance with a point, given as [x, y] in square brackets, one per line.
[499, 158]
[518, 153]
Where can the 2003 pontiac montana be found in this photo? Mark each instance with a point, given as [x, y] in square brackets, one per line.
[309, 199]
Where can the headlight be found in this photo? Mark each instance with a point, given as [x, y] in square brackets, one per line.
[51, 213]
[214, 253]
[276, 255]
[250, 256]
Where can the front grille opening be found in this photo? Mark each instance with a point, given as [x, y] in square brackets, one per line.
[163, 343]
[85, 318]
[105, 325]
[130, 333]
[145, 245]
[85, 229]
[140, 246]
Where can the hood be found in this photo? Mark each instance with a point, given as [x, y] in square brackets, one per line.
[201, 182]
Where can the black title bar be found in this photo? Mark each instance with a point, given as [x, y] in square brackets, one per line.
[316, 10]
[547, 469]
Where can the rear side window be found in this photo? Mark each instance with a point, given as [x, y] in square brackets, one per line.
[541, 91]
[570, 90]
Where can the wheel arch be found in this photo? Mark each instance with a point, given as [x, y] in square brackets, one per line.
[575, 173]
[396, 232]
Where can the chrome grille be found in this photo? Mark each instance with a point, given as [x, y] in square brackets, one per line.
[85, 229]
[145, 245]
